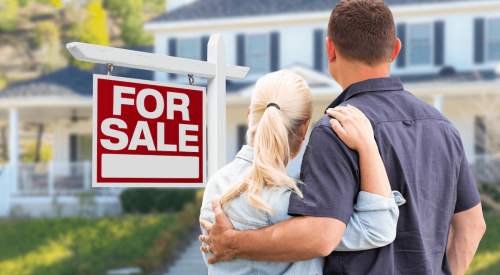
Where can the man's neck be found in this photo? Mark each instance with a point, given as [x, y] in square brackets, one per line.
[354, 73]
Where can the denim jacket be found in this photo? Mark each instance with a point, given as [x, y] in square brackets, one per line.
[372, 225]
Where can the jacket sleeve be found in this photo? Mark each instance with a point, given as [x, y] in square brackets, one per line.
[373, 222]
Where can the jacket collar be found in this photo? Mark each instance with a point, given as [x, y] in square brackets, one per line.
[246, 153]
[369, 85]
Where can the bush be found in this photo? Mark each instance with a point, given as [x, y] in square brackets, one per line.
[54, 3]
[93, 30]
[131, 28]
[8, 14]
[47, 33]
[146, 200]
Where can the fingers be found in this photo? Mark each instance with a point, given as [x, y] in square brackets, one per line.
[338, 115]
[204, 248]
[205, 239]
[217, 207]
[213, 259]
[338, 128]
[207, 226]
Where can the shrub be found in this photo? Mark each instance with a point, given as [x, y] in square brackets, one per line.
[93, 30]
[47, 33]
[54, 3]
[146, 200]
[8, 14]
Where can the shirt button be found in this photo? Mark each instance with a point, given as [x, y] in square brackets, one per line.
[408, 122]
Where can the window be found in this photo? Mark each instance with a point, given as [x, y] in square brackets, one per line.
[258, 53]
[325, 53]
[189, 48]
[493, 40]
[420, 44]
[242, 135]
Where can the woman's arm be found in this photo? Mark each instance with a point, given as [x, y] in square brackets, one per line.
[356, 131]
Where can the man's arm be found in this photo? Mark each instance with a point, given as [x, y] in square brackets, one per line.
[297, 239]
[466, 230]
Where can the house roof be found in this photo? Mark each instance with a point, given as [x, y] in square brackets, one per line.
[209, 9]
[71, 81]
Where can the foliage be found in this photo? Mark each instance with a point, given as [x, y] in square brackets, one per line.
[8, 14]
[146, 200]
[131, 13]
[86, 246]
[23, 3]
[76, 245]
[154, 5]
[487, 258]
[47, 33]
[54, 3]
[30, 147]
[93, 30]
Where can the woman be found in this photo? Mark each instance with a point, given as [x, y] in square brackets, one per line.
[255, 188]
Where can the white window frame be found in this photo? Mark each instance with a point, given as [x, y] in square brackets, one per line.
[486, 40]
[431, 44]
[198, 46]
[247, 42]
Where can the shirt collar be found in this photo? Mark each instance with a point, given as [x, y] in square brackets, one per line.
[369, 85]
[246, 153]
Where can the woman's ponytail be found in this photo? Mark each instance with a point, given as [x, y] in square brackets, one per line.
[273, 128]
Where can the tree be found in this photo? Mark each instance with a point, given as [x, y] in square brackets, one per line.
[8, 14]
[93, 30]
[131, 28]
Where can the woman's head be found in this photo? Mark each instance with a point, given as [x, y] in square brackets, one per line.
[278, 117]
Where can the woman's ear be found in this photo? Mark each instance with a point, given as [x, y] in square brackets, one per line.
[248, 116]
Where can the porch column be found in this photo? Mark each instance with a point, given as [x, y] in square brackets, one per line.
[438, 102]
[14, 148]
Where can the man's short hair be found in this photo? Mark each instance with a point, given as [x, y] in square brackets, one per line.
[363, 30]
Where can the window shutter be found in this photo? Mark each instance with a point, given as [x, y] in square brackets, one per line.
[318, 49]
[275, 51]
[478, 40]
[480, 135]
[439, 43]
[204, 47]
[172, 51]
[73, 148]
[242, 136]
[240, 50]
[401, 34]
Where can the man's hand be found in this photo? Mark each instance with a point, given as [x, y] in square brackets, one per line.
[219, 236]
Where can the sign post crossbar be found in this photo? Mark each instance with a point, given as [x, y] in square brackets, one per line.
[214, 69]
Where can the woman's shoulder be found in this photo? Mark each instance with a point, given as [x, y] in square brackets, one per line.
[278, 199]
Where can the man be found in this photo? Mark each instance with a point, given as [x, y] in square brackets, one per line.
[441, 225]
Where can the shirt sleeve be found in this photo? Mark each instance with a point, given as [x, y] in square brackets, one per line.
[467, 193]
[330, 173]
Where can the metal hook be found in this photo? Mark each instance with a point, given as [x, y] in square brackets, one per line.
[191, 79]
[110, 68]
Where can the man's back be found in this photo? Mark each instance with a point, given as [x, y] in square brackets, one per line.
[424, 159]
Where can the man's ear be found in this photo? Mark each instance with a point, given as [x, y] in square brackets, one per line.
[397, 48]
[330, 50]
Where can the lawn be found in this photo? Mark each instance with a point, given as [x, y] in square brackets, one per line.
[487, 259]
[76, 246]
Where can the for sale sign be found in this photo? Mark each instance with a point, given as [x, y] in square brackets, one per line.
[147, 134]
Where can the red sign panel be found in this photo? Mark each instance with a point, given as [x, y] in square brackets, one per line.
[147, 134]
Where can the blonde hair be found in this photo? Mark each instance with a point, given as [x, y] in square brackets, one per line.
[273, 133]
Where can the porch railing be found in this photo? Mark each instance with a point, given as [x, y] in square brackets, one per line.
[57, 178]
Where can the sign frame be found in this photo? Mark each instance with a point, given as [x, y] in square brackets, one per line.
[96, 77]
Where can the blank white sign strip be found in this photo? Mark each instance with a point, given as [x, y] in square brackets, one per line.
[140, 166]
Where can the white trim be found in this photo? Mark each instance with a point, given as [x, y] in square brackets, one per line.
[49, 101]
[277, 18]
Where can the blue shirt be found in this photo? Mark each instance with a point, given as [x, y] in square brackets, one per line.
[425, 160]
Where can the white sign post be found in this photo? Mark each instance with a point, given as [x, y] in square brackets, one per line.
[215, 70]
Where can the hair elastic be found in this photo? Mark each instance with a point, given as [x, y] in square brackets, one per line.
[273, 104]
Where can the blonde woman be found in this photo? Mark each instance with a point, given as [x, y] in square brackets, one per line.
[255, 188]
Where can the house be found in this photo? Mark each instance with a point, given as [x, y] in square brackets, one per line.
[450, 51]
[62, 102]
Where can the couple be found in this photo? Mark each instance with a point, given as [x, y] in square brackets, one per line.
[342, 217]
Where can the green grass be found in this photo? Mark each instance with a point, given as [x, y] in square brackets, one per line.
[487, 258]
[75, 246]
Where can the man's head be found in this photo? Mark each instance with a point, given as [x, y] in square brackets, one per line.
[361, 32]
